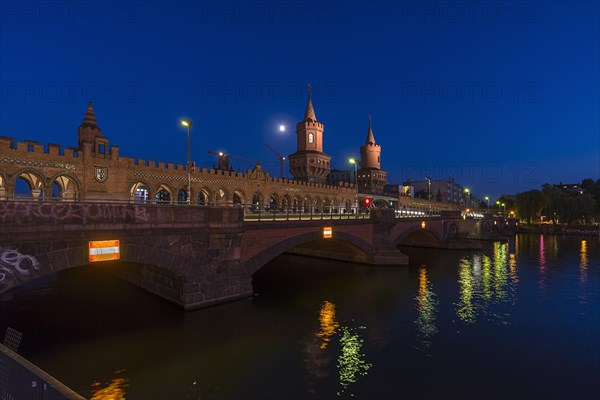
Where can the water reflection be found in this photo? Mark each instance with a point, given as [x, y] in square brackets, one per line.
[583, 262]
[113, 390]
[484, 282]
[426, 306]
[351, 362]
[542, 261]
[328, 323]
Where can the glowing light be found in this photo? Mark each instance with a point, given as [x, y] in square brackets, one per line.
[186, 122]
[327, 232]
[281, 128]
[466, 310]
[328, 323]
[423, 224]
[104, 250]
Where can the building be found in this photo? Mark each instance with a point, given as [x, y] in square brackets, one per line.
[371, 178]
[340, 175]
[571, 188]
[309, 163]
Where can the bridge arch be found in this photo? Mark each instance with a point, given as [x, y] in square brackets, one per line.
[417, 234]
[3, 188]
[204, 196]
[254, 263]
[221, 196]
[238, 198]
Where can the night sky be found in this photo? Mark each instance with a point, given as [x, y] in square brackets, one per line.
[504, 96]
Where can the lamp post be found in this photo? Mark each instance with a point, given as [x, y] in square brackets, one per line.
[468, 192]
[488, 203]
[188, 124]
[354, 162]
[498, 206]
[503, 209]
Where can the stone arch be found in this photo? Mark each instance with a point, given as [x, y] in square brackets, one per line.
[204, 196]
[416, 234]
[306, 205]
[238, 198]
[221, 196]
[296, 204]
[3, 188]
[317, 205]
[164, 194]
[34, 179]
[257, 201]
[274, 201]
[139, 192]
[182, 195]
[254, 263]
[69, 187]
[286, 202]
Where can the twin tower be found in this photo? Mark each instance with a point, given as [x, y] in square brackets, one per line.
[309, 163]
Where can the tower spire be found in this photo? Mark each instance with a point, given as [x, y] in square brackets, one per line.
[370, 136]
[309, 114]
[90, 118]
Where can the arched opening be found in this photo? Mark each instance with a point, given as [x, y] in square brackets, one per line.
[163, 195]
[273, 202]
[221, 197]
[182, 196]
[238, 199]
[139, 193]
[203, 197]
[257, 201]
[64, 188]
[306, 204]
[285, 203]
[297, 204]
[2, 188]
[28, 185]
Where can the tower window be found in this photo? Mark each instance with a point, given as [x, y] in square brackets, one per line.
[311, 138]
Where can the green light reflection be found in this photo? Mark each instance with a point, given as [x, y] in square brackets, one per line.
[351, 362]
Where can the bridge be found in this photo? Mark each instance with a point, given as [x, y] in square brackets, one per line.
[196, 256]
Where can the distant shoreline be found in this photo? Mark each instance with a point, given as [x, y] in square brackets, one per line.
[561, 230]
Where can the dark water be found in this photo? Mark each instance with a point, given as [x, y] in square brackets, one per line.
[518, 320]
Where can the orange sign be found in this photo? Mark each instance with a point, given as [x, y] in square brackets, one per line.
[104, 250]
[327, 232]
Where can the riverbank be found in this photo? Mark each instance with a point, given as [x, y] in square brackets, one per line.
[585, 230]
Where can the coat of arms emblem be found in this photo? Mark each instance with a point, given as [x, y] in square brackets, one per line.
[101, 173]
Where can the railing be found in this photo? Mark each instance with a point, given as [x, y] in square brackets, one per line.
[20, 379]
[311, 214]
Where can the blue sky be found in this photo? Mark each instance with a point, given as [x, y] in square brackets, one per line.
[504, 96]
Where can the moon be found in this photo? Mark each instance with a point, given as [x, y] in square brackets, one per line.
[281, 128]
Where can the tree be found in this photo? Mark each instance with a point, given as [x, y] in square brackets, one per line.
[529, 205]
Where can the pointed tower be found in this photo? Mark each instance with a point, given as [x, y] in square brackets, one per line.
[371, 178]
[89, 130]
[309, 163]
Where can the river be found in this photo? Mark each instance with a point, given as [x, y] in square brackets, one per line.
[518, 320]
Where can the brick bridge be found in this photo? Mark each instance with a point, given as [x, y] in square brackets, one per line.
[197, 256]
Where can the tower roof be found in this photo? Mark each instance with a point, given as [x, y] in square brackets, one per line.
[370, 136]
[309, 114]
[90, 118]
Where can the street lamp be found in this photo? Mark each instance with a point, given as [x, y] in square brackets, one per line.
[188, 124]
[503, 209]
[488, 203]
[353, 161]
[468, 192]
[498, 206]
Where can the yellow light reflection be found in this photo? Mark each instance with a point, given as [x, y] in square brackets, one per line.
[465, 311]
[114, 390]
[351, 362]
[583, 262]
[328, 323]
[500, 275]
[426, 306]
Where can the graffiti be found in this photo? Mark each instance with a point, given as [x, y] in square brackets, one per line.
[40, 213]
[12, 261]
